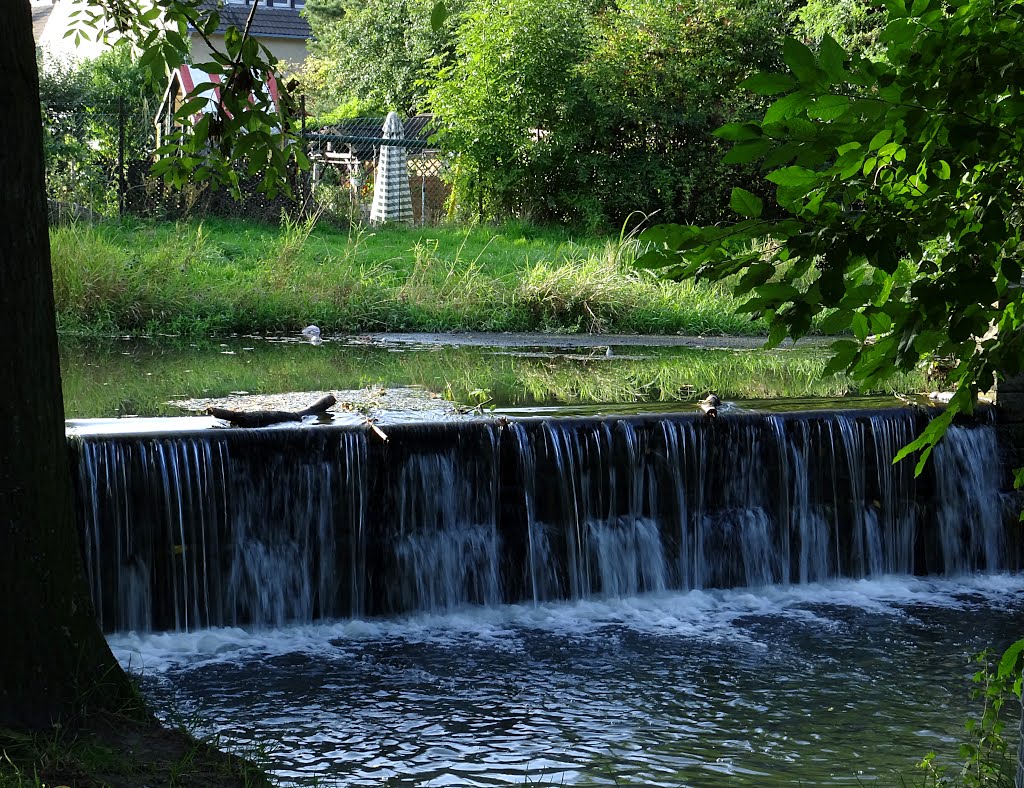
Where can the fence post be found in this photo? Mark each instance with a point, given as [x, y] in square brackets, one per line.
[121, 186]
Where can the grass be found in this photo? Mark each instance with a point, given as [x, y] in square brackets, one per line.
[223, 276]
[114, 750]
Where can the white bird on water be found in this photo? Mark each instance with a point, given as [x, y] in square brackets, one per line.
[312, 333]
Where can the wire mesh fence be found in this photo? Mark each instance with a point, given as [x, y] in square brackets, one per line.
[101, 174]
[346, 156]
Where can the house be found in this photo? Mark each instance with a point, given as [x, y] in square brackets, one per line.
[278, 24]
[182, 82]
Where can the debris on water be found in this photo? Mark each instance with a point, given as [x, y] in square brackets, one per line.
[312, 333]
[373, 402]
[710, 404]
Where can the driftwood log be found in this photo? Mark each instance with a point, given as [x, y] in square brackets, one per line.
[264, 418]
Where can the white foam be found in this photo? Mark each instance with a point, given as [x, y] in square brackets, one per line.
[711, 615]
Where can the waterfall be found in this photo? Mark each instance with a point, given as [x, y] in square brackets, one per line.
[263, 527]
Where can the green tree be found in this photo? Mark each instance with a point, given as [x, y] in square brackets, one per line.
[84, 104]
[902, 187]
[379, 52]
[512, 81]
[854, 24]
[660, 79]
[584, 112]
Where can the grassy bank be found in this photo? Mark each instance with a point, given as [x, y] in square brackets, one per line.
[233, 276]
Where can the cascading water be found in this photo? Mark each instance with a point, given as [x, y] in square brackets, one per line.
[283, 525]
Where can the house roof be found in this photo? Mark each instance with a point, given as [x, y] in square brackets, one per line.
[269, 22]
[40, 16]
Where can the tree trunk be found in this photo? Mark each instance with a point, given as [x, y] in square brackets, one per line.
[55, 662]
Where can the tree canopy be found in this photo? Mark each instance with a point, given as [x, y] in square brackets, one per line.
[901, 190]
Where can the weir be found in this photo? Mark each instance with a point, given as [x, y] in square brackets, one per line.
[266, 527]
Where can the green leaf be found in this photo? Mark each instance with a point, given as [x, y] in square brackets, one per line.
[859, 324]
[766, 84]
[844, 351]
[880, 139]
[831, 58]
[745, 203]
[437, 16]
[786, 107]
[745, 152]
[1012, 661]
[738, 132]
[829, 107]
[800, 60]
[793, 176]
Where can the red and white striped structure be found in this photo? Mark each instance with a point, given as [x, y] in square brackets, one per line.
[183, 81]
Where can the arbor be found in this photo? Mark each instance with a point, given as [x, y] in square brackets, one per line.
[902, 190]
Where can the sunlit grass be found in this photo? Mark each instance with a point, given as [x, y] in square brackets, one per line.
[231, 276]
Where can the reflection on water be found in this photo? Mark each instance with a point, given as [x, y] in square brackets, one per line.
[838, 684]
[139, 377]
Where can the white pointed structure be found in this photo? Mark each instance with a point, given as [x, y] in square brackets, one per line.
[392, 199]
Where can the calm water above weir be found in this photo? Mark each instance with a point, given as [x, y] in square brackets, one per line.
[846, 683]
[125, 377]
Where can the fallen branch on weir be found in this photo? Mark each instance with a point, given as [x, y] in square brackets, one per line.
[264, 418]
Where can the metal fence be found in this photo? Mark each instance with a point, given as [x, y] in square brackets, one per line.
[345, 157]
[92, 182]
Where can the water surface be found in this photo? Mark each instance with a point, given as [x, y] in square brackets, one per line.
[141, 377]
[846, 683]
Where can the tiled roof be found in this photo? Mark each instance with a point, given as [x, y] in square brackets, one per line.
[269, 22]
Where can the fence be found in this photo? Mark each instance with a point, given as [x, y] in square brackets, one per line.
[103, 175]
[345, 157]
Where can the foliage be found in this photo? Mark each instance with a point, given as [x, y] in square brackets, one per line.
[511, 83]
[854, 24]
[377, 52]
[584, 112]
[662, 77]
[84, 104]
[244, 132]
[901, 187]
[985, 753]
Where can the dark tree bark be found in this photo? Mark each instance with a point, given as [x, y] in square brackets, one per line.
[55, 663]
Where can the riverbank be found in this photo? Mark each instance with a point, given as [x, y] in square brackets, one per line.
[222, 276]
[121, 750]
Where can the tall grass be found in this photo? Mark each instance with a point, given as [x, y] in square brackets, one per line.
[232, 276]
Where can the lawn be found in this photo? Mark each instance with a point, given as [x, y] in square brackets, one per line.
[227, 276]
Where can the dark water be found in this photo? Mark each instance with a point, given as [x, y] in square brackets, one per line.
[844, 683]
